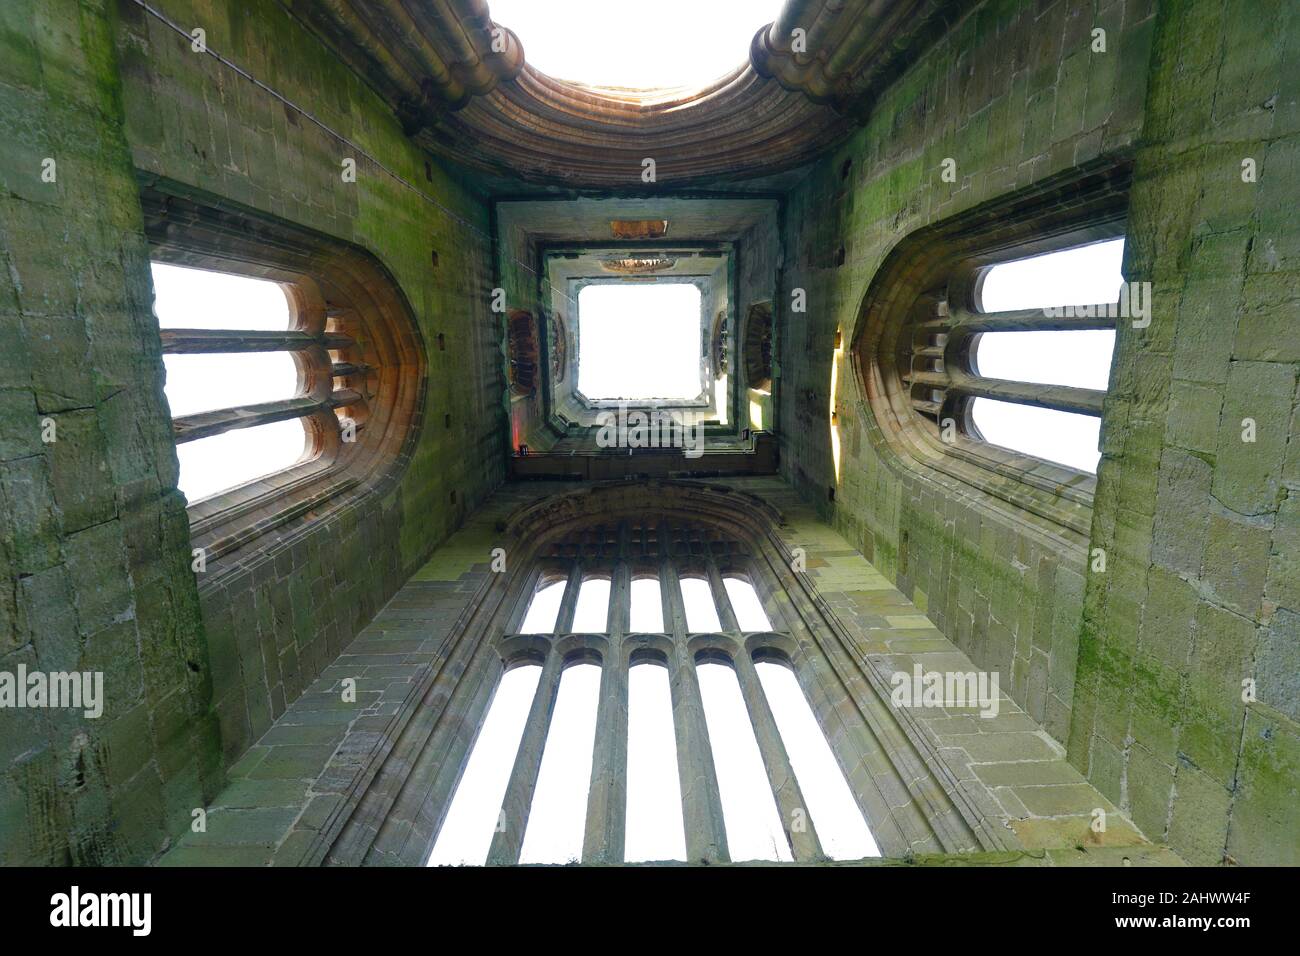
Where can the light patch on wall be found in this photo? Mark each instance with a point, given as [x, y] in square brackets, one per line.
[833, 413]
[639, 341]
[674, 43]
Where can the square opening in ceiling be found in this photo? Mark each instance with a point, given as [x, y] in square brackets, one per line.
[639, 341]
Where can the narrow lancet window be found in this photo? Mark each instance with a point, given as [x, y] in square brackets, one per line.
[543, 609]
[746, 605]
[753, 823]
[697, 599]
[591, 616]
[558, 816]
[647, 612]
[474, 814]
[841, 828]
[654, 828]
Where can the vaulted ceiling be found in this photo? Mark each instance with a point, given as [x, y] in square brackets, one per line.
[463, 89]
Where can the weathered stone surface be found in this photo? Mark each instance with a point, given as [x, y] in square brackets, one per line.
[1162, 690]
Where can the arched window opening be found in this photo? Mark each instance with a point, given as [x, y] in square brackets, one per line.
[294, 368]
[757, 347]
[661, 740]
[1078, 358]
[753, 823]
[697, 600]
[654, 828]
[591, 615]
[1085, 276]
[986, 340]
[205, 383]
[187, 298]
[745, 604]
[474, 814]
[557, 817]
[523, 351]
[647, 608]
[841, 828]
[543, 609]
[222, 462]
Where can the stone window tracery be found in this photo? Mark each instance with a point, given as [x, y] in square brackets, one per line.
[410, 806]
[713, 632]
[341, 409]
[930, 356]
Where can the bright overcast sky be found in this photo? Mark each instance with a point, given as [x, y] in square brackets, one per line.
[1085, 275]
[187, 298]
[669, 43]
[639, 341]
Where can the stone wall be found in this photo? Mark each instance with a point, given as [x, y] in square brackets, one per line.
[1201, 525]
[1014, 94]
[277, 615]
[319, 765]
[93, 534]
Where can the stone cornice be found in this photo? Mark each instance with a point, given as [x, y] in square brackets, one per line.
[461, 88]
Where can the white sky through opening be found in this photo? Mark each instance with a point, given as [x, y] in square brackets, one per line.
[639, 341]
[1078, 358]
[543, 609]
[211, 465]
[1084, 275]
[746, 605]
[841, 828]
[187, 298]
[557, 819]
[471, 821]
[647, 611]
[604, 43]
[1063, 437]
[655, 829]
[697, 599]
[591, 613]
[749, 811]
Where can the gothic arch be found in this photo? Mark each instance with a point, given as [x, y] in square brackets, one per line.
[913, 802]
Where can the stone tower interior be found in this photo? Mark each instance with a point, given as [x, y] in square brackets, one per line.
[350, 517]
